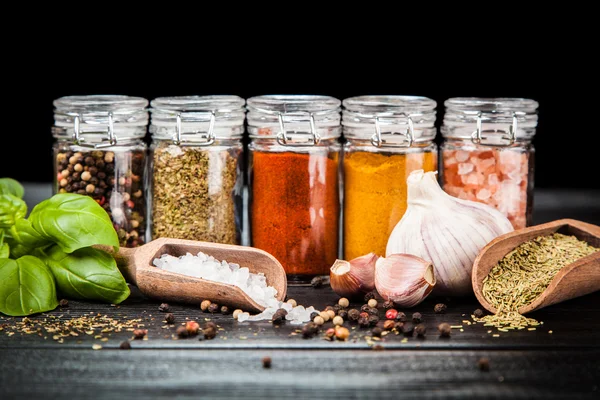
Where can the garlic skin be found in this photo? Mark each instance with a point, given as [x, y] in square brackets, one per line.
[446, 231]
[355, 277]
[404, 279]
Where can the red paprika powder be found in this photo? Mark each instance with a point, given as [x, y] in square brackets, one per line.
[295, 209]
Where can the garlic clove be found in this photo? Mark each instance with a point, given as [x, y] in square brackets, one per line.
[404, 279]
[355, 277]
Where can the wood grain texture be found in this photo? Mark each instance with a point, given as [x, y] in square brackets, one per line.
[576, 279]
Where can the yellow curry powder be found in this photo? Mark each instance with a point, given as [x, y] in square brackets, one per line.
[375, 196]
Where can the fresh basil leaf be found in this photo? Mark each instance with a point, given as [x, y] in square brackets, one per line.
[4, 248]
[22, 233]
[12, 209]
[10, 186]
[86, 273]
[26, 287]
[73, 221]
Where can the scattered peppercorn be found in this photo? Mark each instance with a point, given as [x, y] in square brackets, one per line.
[388, 304]
[139, 333]
[373, 311]
[343, 314]
[444, 329]
[440, 308]
[225, 310]
[313, 315]
[377, 347]
[279, 317]
[353, 314]
[363, 322]
[182, 332]
[192, 327]
[125, 345]
[369, 296]
[344, 302]
[373, 320]
[266, 362]
[213, 308]
[391, 313]
[164, 307]
[309, 330]
[331, 313]
[408, 329]
[478, 313]
[337, 308]
[169, 318]
[330, 334]
[236, 313]
[372, 303]
[401, 317]
[64, 303]
[337, 320]
[329, 308]
[292, 302]
[317, 282]
[389, 325]
[483, 364]
[417, 317]
[376, 332]
[210, 333]
[211, 324]
[341, 333]
[324, 315]
[421, 330]
[399, 326]
[364, 307]
[318, 320]
[205, 304]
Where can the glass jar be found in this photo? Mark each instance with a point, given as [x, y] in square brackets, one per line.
[388, 137]
[99, 152]
[487, 155]
[197, 174]
[294, 181]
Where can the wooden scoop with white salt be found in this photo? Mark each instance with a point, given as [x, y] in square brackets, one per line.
[136, 265]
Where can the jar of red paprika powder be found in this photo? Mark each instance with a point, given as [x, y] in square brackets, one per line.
[294, 181]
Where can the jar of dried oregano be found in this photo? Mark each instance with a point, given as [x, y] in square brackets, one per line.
[99, 152]
[196, 165]
[294, 192]
[488, 156]
[388, 137]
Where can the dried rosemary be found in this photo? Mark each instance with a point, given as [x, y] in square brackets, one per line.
[524, 273]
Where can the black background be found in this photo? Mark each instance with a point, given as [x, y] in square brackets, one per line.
[540, 63]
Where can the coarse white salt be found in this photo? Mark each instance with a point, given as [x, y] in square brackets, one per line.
[254, 285]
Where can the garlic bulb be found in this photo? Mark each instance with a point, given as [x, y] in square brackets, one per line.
[447, 231]
[404, 279]
[354, 277]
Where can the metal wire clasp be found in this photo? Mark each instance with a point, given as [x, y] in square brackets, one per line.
[477, 137]
[210, 135]
[377, 141]
[284, 140]
[111, 139]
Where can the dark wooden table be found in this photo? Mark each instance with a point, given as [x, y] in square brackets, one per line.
[523, 364]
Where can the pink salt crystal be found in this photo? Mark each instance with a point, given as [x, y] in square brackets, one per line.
[493, 179]
[483, 194]
[484, 164]
[462, 156]
[509, 161]
[472, 180]
[465, 168]
[448, 161]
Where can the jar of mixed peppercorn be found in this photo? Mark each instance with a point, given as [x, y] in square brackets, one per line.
[487, 155]
[99, 152]
[388, 137]
[197, 168]
[294, 181]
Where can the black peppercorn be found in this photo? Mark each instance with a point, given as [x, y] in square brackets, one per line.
[64, 303]
[337, 308]
[417, 317]
[164, 307]
[440, 308]
[210, 333]
[213, 308]
[376, 332]
[279, 317]
[125, 345]
[182, 332]
[483, 364]
[266, 362]
[364, 308]
[225, 310]
[373, 311]
[329, 308]
[388, 304]
[373, 320]
[399, 326]
[169, 318]
[317, 282]
[401, 317]
[309, 330]
[212, 325]
[478, 313]
[408, 329]
[363, 322]
[421, 330]
[89, 161]
[353, 314]
[343, 314]
[313, 315]
[139, 333]
[444, 329]
[369, 296]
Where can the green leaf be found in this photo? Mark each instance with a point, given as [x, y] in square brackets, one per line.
[10, 186]
[26, 287]
[22, 233]
[4, 248]
[86, 273]
[12, 209]
[73, 221]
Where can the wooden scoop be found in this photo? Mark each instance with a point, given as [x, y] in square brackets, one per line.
[136, 266]
[576, 279]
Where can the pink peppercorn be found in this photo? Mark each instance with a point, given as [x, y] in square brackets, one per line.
[391, 314]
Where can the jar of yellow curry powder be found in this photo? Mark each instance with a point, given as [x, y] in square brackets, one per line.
[388, 137]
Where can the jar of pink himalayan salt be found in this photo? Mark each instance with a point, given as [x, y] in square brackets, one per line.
[487, 155]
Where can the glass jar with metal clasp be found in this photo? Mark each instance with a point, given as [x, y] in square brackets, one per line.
[387, 137]
[488, 156]
[99, 152]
